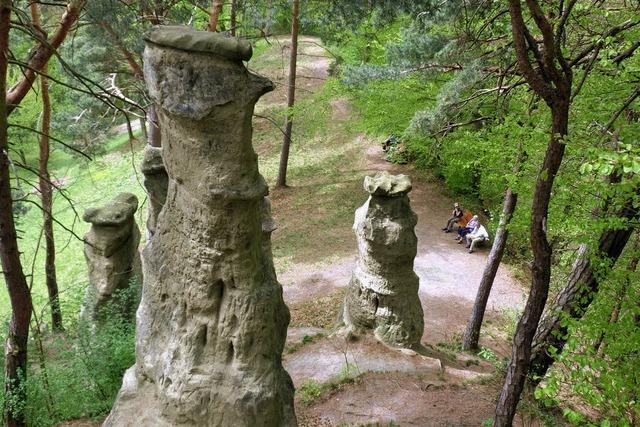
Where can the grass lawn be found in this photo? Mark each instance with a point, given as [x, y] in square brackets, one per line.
[85, 184]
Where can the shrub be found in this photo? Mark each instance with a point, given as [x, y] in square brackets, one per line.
[78, 373]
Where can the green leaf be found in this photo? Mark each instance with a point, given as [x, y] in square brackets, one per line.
[586, 168]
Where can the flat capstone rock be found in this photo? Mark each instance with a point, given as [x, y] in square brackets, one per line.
[385, 184]
[117, 212]
[192, 40]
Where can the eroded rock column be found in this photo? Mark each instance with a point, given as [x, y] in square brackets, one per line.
[111, 252]
[383, 292]
[155, 182]
[212, 322]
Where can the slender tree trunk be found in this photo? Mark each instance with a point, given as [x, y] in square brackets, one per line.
[286, 144]
[216, 10]
[541, 271]
[19, 295]
[575, 298]
[128, 56]
[553, 84]
[152, 134]
[233, 17]
[472, 333]
[143, 129]
[155, 139]
[243, 12]
[46, 189]
[21, 308]
[46, 194]
[598, 347]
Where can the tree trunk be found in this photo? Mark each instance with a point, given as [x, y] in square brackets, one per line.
[19, 295]
[46, 189]
[21, 308]
[143, 129]
[575, 298]
[598, 347]
[286, 144]
[216, 10]
[243, 12]
[472, 333]
[233, 17]
[128, 56]
[152, 134]
[541, 271]
[155, 139]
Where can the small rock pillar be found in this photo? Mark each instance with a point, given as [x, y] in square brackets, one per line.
[212, 322]
[383, 293]
[155, 182]
[111, 252]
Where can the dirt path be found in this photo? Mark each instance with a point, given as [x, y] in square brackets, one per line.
[448, 391]
[452, 388]
[449, 276]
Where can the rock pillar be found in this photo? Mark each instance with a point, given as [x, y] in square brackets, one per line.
[383, 292]
[155, 182]
[111, 251]
[212, 322]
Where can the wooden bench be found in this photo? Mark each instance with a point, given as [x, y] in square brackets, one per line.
[466, 217]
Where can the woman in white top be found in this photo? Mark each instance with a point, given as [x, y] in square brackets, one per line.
[469, 228]
[478, 235]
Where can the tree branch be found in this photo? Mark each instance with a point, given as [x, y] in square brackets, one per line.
[42, 54]
[612, 32]
[519, 28]
[634, 95]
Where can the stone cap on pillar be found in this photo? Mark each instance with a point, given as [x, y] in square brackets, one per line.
[192, 40]
[116, 212]
[386, 185]
[190, 72]
[152, 161]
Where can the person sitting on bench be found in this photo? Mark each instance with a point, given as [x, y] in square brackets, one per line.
[456, 215]
[478, 236]
[469, 228]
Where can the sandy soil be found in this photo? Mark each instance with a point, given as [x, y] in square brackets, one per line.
[407, 400]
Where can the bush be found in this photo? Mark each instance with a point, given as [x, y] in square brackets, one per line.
[600, 363]
[79, 373]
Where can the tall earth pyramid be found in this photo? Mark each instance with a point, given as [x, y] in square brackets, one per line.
[212, 322]
[383, 293]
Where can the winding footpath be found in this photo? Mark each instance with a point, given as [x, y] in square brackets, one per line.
[448, 387]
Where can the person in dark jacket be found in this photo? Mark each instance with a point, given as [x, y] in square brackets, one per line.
[456, 215]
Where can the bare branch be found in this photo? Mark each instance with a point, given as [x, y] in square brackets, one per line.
[634, 95]
[15, 125]
[44, 51]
